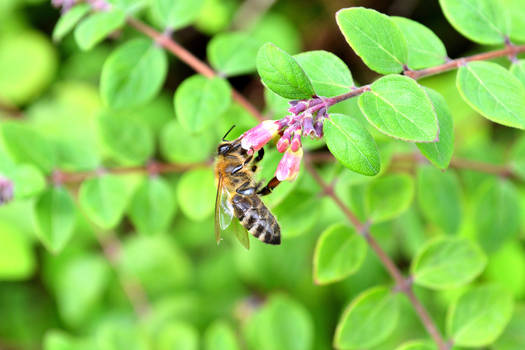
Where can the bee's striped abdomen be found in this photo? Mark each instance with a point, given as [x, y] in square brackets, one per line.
[256, 218]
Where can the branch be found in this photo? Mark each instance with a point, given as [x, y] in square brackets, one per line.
[403, 285]
[63, 177]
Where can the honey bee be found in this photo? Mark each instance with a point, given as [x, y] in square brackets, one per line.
[238, 193]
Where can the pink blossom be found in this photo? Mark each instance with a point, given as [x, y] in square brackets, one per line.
[289, 165]
[6, 190]
[255, 138]
[283, 143]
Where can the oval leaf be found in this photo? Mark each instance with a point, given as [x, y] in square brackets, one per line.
[518, 69]
[517, 158]
[103, 199]
[440, 153]
[368, 320]
[196, 194]
[388, 197]
[55, 218]
[178, 335]
[133, 74]
[493, 92]
[220, 336]
[351, 144]
[69, 20]
[97, 27]
[479, 316]
[417, 345]
[199, 101]
[439, 197]
[482, 21]
[425, 49]
[175, 143]
[375, 38]
[128, 140]
[513, 337]
[281, 73]
[233, 53]
[411, 118]
[328, 73]
[448, 263]
[497, 214]
[152, 206]
[176, 14]
[339, 252]
[516, 12]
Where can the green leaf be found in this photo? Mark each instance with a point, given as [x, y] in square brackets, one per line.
[497, 214]
[417, 345]
[287, 321]
[128, 140]
[516, 12]
[493, 92]
[447, 263]
[368, 320]
[411, 118]
[17, 259]
[196, 194]
[80, 283]
[388, 197]
[28, 181]
[178, 335]
[29, 59]
[513, 337]
[351, 144]
[328, 73]
[517, 158]
[482, 21]
[220, 336]
[439, 197]
[59, 340]
[152, 206]
[479, 316]
[176, 14]
[55, 218]
[97, 27]
[69, 20]
[440, 153]
[281, 73]
[26, 145]
[507, 267]
[339, 252]
[375, 38]
[155, 262]
[518, 69]
[425, 49]
[175, 143]
[297, 213]
[103, 199]
[233, 53]
[199, 101]
[133, 74]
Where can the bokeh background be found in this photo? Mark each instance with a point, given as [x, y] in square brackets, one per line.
[177, 289]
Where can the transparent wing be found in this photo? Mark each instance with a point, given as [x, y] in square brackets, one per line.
[242, 234]
[226, 209]
[217, 210]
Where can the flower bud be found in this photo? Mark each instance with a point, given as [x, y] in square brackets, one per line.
[6, 190]
[296, 141]
[308, 127]
[255, 138]
[318, 127]
[298, 107]
[289, 165]
[283, 143]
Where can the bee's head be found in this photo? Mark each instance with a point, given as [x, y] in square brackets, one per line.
[224, 148]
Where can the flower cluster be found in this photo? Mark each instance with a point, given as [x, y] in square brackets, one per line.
[6, 190]
[305, 119]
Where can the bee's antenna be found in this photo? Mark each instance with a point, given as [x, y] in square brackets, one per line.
[227, 132]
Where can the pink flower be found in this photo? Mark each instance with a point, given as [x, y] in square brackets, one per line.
[296, 141]
[289, 165]
[255, 138]
[6, 190]
[283, 143]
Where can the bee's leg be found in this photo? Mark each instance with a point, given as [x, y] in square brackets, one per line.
[246, 189]
[273, 183]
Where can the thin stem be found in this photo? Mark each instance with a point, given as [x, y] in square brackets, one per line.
[63, 177]
[403, 285]
[192, 61]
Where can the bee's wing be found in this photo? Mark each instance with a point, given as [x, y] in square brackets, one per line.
[241, 234]
[223, 210]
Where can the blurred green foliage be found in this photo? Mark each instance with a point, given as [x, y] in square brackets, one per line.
[97, 255]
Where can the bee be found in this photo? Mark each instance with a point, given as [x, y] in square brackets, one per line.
[238, 194]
